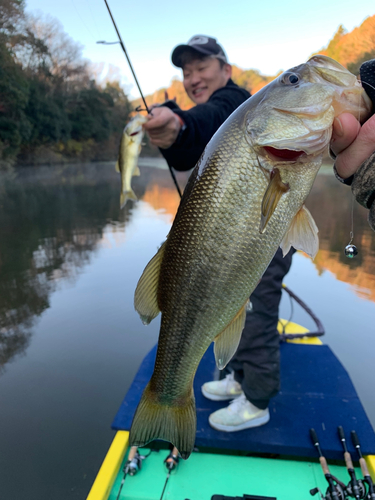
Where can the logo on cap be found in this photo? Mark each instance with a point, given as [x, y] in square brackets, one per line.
[198, 40]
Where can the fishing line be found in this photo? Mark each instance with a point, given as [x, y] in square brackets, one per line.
[139, 88]
[92, 16]
[83, 22]
[351, 250]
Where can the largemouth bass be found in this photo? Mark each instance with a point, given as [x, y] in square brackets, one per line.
[244, 199]
[127, 163]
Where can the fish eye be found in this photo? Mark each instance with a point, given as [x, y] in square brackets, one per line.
[290, 79]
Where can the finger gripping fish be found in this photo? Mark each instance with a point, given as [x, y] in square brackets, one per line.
[244, 199]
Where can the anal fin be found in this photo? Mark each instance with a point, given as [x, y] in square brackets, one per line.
[227, 341]
[145, 297]
[136, 170]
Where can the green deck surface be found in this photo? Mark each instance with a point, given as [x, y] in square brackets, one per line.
[204, 475]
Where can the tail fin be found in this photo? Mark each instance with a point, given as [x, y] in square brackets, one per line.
[176, 424]
[127, 195]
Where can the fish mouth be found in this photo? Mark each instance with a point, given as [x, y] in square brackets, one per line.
[283, 154]
[135, 132]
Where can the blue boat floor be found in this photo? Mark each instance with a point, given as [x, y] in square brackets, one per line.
[204, 475]
[316, 391]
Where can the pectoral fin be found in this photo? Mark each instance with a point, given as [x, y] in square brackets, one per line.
[276, 188]
[227, 341]
[117, 166]
[302, 234]
[145, 297]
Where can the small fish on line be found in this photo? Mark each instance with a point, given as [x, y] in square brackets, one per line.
[127, 163]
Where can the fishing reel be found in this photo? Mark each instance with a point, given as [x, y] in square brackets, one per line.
[335, 491]
[134, 465]
[360, 487]
[172, 460]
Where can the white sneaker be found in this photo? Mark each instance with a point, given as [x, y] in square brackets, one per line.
[239, 415]
[222, 390]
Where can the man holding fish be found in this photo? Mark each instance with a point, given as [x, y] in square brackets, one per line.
[271, 172]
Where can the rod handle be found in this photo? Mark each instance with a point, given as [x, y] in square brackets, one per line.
[355, 439]
[323, 463]
[340, 430]
[314, 437]
[348, 460]
[364, 469]
[132, 452]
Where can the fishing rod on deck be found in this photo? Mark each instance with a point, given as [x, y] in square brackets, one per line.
[355, 488]
[132, 466]
[171, 463]
[362, 462]
[136, 81]
[336, 489]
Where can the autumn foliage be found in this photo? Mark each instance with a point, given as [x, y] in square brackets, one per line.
[349, 49]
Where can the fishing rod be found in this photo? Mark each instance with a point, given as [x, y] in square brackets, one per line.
[171, 463]
[362, 462]
[126, 55]
[355, 487]
[336, 489]
[139, 87]
[132, 466]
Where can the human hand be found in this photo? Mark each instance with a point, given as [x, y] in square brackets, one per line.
[355, 148]
[351, 143]
[163, 127]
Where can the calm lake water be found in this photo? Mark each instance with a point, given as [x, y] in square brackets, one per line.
[70, 340]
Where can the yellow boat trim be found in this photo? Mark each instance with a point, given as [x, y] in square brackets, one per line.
[108, 471]
[370, 461]
[291, 327]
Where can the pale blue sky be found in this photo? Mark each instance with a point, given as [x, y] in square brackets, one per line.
[267, 35]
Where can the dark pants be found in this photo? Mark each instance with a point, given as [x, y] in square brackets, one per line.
[256, 363]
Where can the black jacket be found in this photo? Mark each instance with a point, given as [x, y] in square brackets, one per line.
[202, 122]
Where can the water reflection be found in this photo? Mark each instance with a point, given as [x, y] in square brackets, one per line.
[331, 205]
[51, 221]
[58, 225]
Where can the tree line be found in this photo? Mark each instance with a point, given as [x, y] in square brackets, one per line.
[53, 110]
[350, 49]
[51, 107]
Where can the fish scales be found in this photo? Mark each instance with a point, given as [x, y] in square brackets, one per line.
[241, 202]
[223, 259]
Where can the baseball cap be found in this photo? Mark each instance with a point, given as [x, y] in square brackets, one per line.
[203, 44]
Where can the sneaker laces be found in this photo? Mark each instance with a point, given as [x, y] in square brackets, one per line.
[238, 403]
[229, 378]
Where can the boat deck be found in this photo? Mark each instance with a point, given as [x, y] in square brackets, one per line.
[316, 391]
[205, 475]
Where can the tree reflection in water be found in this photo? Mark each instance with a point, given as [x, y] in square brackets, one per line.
[50, 225]
[51, 221]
